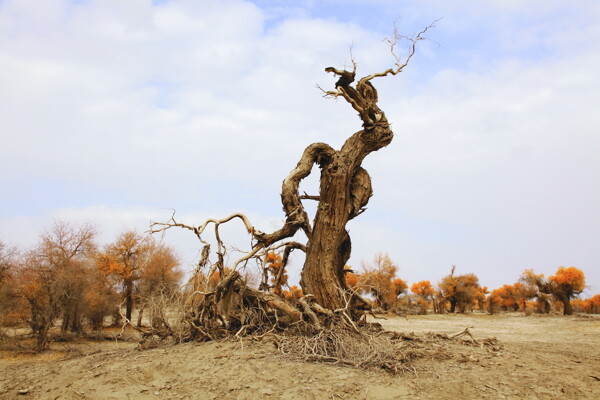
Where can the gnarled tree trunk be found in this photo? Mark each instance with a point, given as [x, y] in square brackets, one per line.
[345, 189]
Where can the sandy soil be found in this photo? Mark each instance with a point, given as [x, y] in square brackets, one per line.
[537, 358]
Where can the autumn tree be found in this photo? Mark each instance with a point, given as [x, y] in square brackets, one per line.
[8, 260]
[595, 304]
[159, 280]
[510, 297]
[566, 284]
[293, 295]
[123, 260]
[351, 278]
[52, 279]
[11, 308]
[379, 279]
[344, 191]
[37, 285]
[494, 301]
[583, 305]
[522, 294]
[68, 249]
[162, 272]
[563, 286]
[424, 292]
[101, 298]
[460, 290]
[481, 297]
[439, 302]
[274, 273]
[538, 287]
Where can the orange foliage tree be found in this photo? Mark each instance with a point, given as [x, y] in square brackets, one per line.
[510, 298]
[275, 277]
[215, 277]
[494, 301]
[461, 291]
[65, 278]
[144, 269]
[8, 261]
[595, 304]
[159, 280]
[275, 269]
[12, 308]
[293, 295]
[424, 292]
[352, 278]
[70, 250]
[566, 284]
[38, 287]
[379, 279]
[53, 279]
[161, 273]
[539, 288]
[123, 260]
[481, 297]
[582, 305]
[101, 299]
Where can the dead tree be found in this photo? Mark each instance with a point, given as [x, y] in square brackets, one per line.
[345, 189]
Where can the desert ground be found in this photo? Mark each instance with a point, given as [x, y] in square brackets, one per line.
[532, 357]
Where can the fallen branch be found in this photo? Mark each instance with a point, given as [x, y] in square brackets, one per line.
[463, 333]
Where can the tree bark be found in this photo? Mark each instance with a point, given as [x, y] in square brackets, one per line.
[345, 189]
[128, 299]
[567, 308]
[452, 306]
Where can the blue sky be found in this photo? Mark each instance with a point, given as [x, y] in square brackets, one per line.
[116, 112]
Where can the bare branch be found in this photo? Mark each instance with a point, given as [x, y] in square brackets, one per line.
[161, 227]
[305, 196]
[412, 47]
[316, 153]
[291, 245]
[329, 93]
[246, 257]
[310, 313]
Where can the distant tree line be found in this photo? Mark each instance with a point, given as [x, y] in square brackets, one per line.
[463, 293]
[68, 278]
[69, 281]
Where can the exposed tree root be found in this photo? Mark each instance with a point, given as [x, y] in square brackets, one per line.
[371, 347]
[305, 331]
[342, 345]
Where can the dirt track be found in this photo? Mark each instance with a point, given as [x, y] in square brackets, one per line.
[538, 358]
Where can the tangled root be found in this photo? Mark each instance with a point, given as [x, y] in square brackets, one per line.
[371, 347]
[342, 345]
[304, 331]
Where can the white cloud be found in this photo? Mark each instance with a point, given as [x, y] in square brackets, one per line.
[112, 109]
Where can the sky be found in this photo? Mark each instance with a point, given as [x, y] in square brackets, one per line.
[117, 112]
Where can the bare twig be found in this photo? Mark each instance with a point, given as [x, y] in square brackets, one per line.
[400, 65]
[464, 332]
